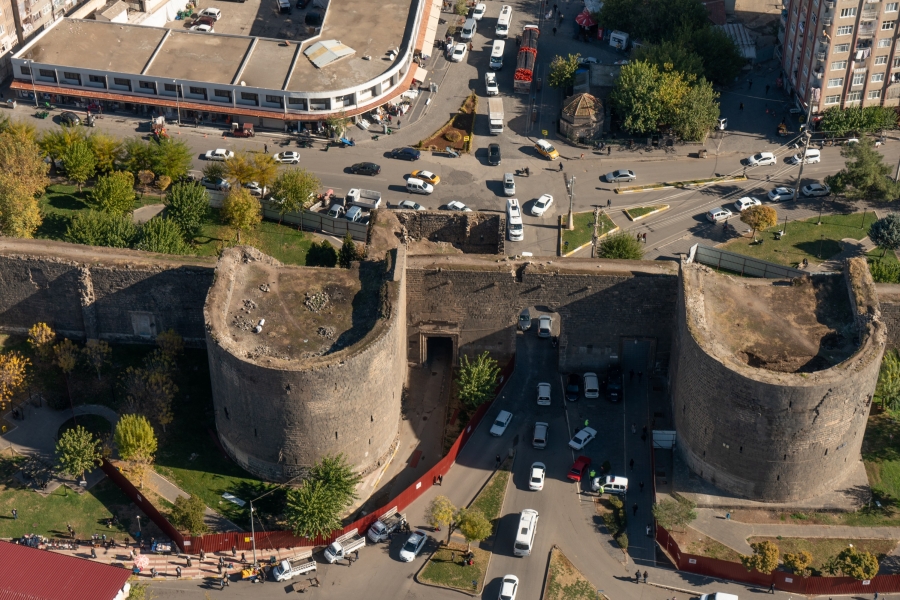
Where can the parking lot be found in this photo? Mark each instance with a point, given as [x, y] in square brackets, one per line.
[259, 18]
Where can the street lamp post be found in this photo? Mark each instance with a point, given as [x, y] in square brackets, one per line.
[139, 526]
[571, 224]
[807, 135]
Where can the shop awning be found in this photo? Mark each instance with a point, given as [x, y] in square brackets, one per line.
[420, 74]
[431, 28]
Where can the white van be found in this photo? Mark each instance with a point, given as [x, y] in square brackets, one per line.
[503, 21]
[509, 184]
[355, 214]
[540, 435]
[525, 533]
[617, 486]
[415, 185]
[514, 224]
[811, 156]
[497, 54]
[718, 596]
[468, 29]
[591, 385]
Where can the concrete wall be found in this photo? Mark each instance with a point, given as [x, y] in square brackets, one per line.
[276, 422]
[473, 233]
[600, 303]
[763, 435]
[889, 300]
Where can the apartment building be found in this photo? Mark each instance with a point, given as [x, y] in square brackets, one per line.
[841, 52]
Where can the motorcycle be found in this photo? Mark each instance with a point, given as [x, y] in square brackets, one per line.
[526, 172]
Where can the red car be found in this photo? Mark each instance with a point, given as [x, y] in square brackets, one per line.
[577, 470]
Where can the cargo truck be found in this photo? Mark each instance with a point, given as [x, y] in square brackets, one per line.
[344, 546]
[495, 109]
[387, 524]
[293, 566]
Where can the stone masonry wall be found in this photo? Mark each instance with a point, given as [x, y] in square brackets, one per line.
[473, 233]
[889, 299]
[767, 436]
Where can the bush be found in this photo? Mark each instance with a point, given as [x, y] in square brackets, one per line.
[616, 502]
[885, 272]
[453, 136]
[187, 204]
[95, 228]
[321, 254]
[623, 541]
[163, 236]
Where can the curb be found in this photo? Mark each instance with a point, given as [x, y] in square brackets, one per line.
[644, 216]
[668, 185]
[560, 247]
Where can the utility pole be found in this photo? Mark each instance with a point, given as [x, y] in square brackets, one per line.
[571, 224]
[252, 530]
[807, 134]
[594, 236]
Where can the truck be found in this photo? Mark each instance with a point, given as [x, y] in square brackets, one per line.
[495, 109]
[344, 546]
[293, 566]
[526, 59]
[369, 199]
[386, 524]
[242, 130]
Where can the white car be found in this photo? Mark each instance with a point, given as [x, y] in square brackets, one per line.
[219, 154]
[718, 214]
[620, 175]
[541, 205]
[413, 545]
[588, 60]
[410, 205]
[781, 193]
[290, 157]
[459, 53]
[815, 189]
[545, 325]
[543, 394]
[536, 482]
[509, 587]
[479, 11]
[490, 83]
[581, 439]
[745, 203]
[214, 13]
[501, 423]
[256, 189]
[203, 28]
[456, 205]
[761, 159]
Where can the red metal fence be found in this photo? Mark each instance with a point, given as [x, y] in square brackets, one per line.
[242, 540]
[788, 582]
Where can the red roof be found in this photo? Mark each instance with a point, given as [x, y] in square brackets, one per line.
[32, 574]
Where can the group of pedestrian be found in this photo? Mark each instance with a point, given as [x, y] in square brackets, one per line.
[642, 237]
[438, 480]
[637, 576]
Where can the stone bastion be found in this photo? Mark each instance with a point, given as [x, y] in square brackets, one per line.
[772, 380]
[304, 361]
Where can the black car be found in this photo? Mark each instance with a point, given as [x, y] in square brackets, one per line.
[313, 19]
[494, 154]
[614, 384]
[406, 153]
[573, 387]
[365, 168]
[69, 118]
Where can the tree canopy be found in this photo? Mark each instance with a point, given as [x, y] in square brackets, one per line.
[187, 514]
[562, 71]
[187, 204]
[77, 451]
[857, 120]
[79, 162]
[96, 228]
[674, 514]
[759, 217]
[241, 210]
[764, 558]
[865, 176]
[294, 189]
[621, 245]
[477, 379]
[885, 232]
[348, 252]
[161, 235]
[114, 193]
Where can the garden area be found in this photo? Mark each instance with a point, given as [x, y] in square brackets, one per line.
[583, 231]
[639, 212]
[565, 582]
[457, 132]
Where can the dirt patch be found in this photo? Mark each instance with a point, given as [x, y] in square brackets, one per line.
[457, 132]
[565, 582]
[693, 542]
[791, 327]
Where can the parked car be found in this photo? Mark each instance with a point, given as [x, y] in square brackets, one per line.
[577, 471]
[620, 175]
[414, 544]
[459, 53]
[781, 193]
[406, 153]
[69, 118]
[215, 183]
[501, 423]
[491, 87]
[219, 154]
[508, 587]
[745, 203]
[815, 189]
[494, 154]
[582, 438]
[809, 156]
[545, 324]
[718, 214]
[366, 168]
[541, 205]
[255, 189]
[203, 28]
[410, 205]
[215, 13]
[538, 472]
[456, 205]
[415, 185]
[290, 157]
[573, 387]
[427, 177]
[479, 11]
[546, 149]
[761, 159]
[588, 60]
[543, 394]
[525, 320]
[201, 20]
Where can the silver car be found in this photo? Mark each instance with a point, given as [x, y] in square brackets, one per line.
[620, 175]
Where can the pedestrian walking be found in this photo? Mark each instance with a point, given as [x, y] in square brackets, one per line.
[497, 458]
[771, 585]
[637, 576]
[219, 568]
[728, 516]
[266, 148]
[633, 429]
[398, 122]
[608, 203]
[188, 562]
[153, 572]
[641, 485]
[560, 164]
[638, 237]
[224, 583]
[202, 555]
[634, 508]
[440, 480]
[243, 557]
[15, 514]
[608, 150]
[178, 572]
[554, 31]
[767, 90]
[648, 531]
[582, 156]
[645, 576]
[741, 107]
[645, 241]
[234, 550]
[93, 552]
[631, 464]
[876, 595]
[749, 84]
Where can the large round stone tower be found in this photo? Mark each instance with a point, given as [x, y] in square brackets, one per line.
[323, 373]
[772, 380]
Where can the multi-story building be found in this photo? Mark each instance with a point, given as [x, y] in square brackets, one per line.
[841, 52]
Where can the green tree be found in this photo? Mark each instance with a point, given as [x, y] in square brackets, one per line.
[294, 190]
[888, 388]
[79, 162]
[338, 477]
[764, 558]
[240, 169]
[171, 158]
[163, 182]
[108, 151]
[697, 113]
[95, 228]
[311, 510]
[885, 233]
[149, 391]
[798, 562]
[562, 71]
[461, 8]
[187, 514]
[474, 526]
[138, 155]
[136, 442]
[349, 252]
[674, 514]
[477, 379]
[77, 451]
[621, 245]
[22, 131]
[864, 176]
[884, 271]
[114, 193]
[56, 142]
[759, 217]
[653, 20]
[636, 99]
[338, 123]
[241, 210]
[96, 354]
[857, 120]
[722, 60]
[23, 177]
[671, 55]
[439, 513]
[161, 235]
[266, 169]
[860, 565]
[321, 254]
[188, 205]
[214, 170]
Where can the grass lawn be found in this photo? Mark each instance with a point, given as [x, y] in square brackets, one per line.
[693, 542]
[442, 570]
[889, 257]
[60, 202]
[490, 499]
[96, 424]
[283, 242]
[584, 229]
[640, 211]
[804, 239]
[823, 549]
[565, 582]
[881, 456]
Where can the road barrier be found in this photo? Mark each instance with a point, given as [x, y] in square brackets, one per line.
[740, 263]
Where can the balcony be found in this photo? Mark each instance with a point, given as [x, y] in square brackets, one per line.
[829, 4]
[818, 72]
[827, 21]
[822, 53]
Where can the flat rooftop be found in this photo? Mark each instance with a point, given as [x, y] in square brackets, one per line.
[371, 30]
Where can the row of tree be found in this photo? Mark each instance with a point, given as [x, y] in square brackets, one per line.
[850, 562]
[857, 120]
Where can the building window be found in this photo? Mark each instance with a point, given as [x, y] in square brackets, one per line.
[97, 79]
[854, 96]
[888, 25]
[197, 91]
[858, 79]
[47, 73]
[848, 12]
[884, 43]
[841, 48]
[874, 95]
[877, 77]
[881, 60]
[147, 85]
[832, 99]
[896, 63]
[25, 70]
[891, 6]
[72, 76]
[845, 30]
[170, 87]
[119, 81]
[839, 65]
[836, 82]
[249, 96]
[275, 100]
[222, 94]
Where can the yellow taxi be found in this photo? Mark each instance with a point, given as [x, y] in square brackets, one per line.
[545, 148]
[427, 177]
